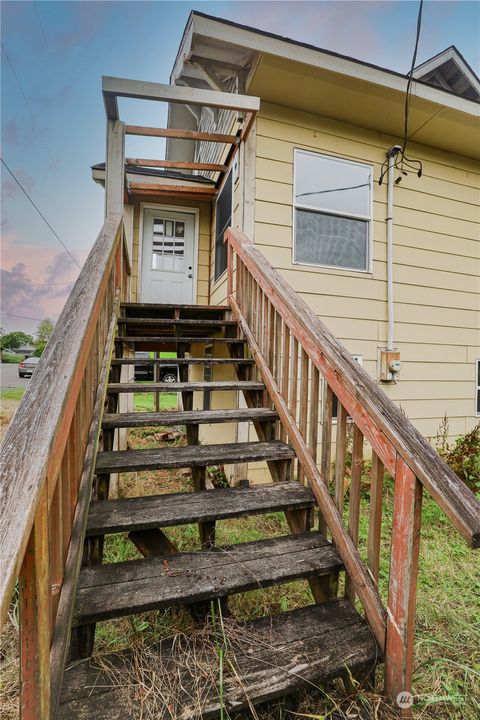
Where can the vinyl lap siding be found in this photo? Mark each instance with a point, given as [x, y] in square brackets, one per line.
[436, 262]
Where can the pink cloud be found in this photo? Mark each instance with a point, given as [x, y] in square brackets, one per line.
[35, 281]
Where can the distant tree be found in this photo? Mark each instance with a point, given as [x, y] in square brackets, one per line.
[42, 334]
[14, 340]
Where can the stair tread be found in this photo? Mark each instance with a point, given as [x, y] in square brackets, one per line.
[191, 456]
[187, 417]
[107, 591]
[182, 361]
[177, 339]
[142, 513]
[176, 321]
[199, 386]
[175, 306]
[272, 656]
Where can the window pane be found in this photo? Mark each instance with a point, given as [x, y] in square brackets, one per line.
[332, 184]
[330, 240]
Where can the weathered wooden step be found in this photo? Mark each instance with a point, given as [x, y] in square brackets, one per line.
[142, 513]
[175, 322]
[272, 657]
[166, 339]
[166, 306]
[107, 591]
[200, 386]
[191, 456]
[187, 417]
[182, 361]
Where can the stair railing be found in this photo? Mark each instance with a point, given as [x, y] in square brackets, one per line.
[48, 459]
[297, 355]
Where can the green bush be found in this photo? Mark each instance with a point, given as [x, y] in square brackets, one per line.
[12, 358]
[463, 456]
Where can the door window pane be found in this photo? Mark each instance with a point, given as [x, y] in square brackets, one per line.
[168, 247]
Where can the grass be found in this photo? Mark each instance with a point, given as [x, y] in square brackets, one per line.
[11, 358]
[145, 402]
[12, 394]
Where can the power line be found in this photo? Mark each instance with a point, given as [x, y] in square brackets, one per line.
[23, 317]
[40, 213]
[37, 11]
[20, 87]
[28, 284]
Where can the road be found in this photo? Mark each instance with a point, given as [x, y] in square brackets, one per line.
[9, 376]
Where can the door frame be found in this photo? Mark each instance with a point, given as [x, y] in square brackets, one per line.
[196, 232]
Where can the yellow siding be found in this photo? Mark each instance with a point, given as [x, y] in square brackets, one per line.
[436, 262]
[202, 292]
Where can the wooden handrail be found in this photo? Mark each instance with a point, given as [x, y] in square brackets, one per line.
[293, 350]
[32, 450]
[375, 414]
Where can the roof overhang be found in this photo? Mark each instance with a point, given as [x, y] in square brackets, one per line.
[297, 75]
[450, 70]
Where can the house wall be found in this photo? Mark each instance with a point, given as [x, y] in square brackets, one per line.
[436, 262]
[204, 233]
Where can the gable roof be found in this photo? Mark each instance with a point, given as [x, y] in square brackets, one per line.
[450, 71]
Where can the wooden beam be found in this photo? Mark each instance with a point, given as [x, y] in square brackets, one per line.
[178, 164]
[157, 188]
[138, 89]
[209, 75]
[181, 134]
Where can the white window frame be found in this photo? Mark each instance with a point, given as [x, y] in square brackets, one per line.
[477, 386]
[311, 208]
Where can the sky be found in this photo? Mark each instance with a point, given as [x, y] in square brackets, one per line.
[53, 122]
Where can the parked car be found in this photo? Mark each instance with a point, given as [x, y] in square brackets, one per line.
[145, 371]
[28, 366]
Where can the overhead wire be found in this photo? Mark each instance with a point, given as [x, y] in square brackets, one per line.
[402, 161]
[23, 317]
[40, 213]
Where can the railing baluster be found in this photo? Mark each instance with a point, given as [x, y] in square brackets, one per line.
[56, 545]
[35, 614]
[303, 404]
[285, 372]
[325, 464]
[405, 546]
[340, 449]
[354, 504]
[375, 521]
[314, 409]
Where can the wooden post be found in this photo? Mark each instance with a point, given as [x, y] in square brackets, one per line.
[34, 587]
[115, 168]
[407, 507]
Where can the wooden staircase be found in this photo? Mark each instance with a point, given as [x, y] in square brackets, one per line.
[60, 452]
[308, 645]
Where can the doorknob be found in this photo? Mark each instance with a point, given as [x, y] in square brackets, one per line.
[189, 275]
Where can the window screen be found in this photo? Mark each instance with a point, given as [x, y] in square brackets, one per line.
[223, 218]
[332, 211]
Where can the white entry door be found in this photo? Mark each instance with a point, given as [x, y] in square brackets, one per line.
[168, 257]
